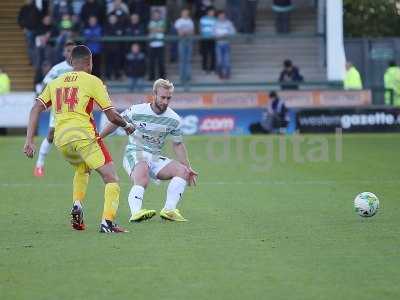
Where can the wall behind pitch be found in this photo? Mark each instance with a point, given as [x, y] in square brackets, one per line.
[234, 121]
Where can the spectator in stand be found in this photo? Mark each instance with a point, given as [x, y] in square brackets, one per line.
[136, 29]
[352, 78]
[115, 52]
[92, 8]
[4, 83]
[136, 67]
[92, 34]
[392, 82]
[156, 46]
[207, 44]
[289, 76]
[142, 9]
[160, 6]
[120, 10]
[223, 29]
[43, 48]
[249, 15]
[77, 6]
[233, 12]
[60, 8]
[282, 9]
[185, 28]
[38, 80]
[29, 19]
[65, 27]
[275, 117]
[202, 7]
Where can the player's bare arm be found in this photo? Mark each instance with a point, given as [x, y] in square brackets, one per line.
[182, 156]
[29, 147]
[108, 129]
[116, 119]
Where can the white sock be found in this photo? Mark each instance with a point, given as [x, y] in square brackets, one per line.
[44, 150]
[175, 190]
[135, 198]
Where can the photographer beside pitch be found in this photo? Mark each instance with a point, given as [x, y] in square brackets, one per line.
[154, 122]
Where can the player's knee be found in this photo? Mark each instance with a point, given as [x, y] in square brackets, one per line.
[142, 180]
[183, 172]
[110, 177]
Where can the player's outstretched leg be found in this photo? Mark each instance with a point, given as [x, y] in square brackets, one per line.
[43, 151]
[111, 199]
[140, 179]
[80, 183]
[179, 176]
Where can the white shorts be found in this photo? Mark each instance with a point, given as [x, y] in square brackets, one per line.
[155, 162]
[51, 119]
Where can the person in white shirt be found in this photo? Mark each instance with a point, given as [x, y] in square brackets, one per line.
[155, 122]
[55, 71]
[185, 28]
[223, 28]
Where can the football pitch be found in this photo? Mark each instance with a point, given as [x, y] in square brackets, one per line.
[271, 218]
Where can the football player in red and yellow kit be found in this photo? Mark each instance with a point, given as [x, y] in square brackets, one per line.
[72, 97]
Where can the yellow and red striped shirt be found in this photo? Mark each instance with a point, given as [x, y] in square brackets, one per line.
[72, 97]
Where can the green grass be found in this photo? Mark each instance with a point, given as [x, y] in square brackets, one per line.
[279, 230]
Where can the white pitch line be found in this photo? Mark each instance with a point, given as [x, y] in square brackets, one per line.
[267, 182]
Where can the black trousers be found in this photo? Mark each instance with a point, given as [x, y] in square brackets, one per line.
[96, 64]
[157, 61]
[114, 57]
[208, 55]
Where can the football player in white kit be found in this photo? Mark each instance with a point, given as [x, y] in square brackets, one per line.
[154, 122]
[55, 71]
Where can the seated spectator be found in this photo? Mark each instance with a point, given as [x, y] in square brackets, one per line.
[29, 19]
[352, 78]
[92, 33]
[275, 117]
[282, 9]
[223, 28]
[140, 8]
[92, 8]
[185, 28]
[207, 44]
[114, 51]
[120, 10]
[289, 75]
[4, 83]
[156, 31]
[135, 67]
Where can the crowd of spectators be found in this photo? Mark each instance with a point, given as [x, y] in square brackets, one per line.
[49, 25]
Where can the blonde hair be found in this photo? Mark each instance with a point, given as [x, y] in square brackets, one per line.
[166, 84]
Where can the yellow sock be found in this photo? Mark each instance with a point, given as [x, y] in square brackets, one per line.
[111, 201]
[80, 183]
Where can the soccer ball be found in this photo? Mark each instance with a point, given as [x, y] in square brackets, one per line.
[366, 204]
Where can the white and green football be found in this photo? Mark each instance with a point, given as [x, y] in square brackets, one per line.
[366, 204]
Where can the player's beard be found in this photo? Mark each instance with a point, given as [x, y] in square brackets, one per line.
[161, 108]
